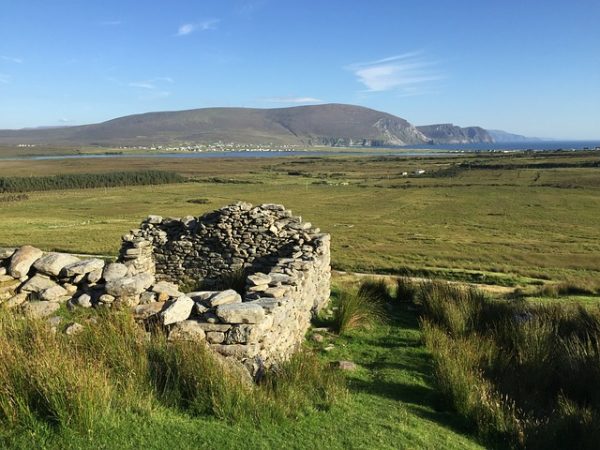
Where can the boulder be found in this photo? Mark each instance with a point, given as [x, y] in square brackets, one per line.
[129, 286]
[22, 260]
[16, 300]
[178, 310]
[147, 297]
[94, 276]
[187, 330]
[344, 365]
[240, 313]
[105, 298]
[114, 271]
[225, 298]
[37, 284]
[83, 267]
[52, 263]
[54, 294]
[40, 310]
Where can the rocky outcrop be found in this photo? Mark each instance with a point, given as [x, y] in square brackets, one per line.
[447, 133]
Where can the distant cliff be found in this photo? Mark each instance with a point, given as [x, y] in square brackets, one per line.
[447, 133]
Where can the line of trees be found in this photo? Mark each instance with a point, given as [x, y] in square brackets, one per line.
[88, 181]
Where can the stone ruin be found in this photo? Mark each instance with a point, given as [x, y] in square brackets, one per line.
[172, 273]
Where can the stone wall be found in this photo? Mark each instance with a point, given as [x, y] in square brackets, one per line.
[285, 265]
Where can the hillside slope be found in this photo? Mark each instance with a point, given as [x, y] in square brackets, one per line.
[331, 124]
[448, 133]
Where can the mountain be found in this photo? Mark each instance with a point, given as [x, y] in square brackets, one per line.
[503, 136]
[447, 133]
[329, 124]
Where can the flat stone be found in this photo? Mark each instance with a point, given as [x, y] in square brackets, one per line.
[83, 267]
[178, 310]
[236, 350]
[258, 279]
[22, 260]
[7, 252]
[153, 219]
[52, 263]
[37, 284]
[187, 330]
[39, 310]
[164, 289]
[267, 303]
[129, 286]
[114, 271]
[145, 311]
[275, 292]
[54, 294]
[225, 298]
[147, 297]
[222, 327]
[240, 313]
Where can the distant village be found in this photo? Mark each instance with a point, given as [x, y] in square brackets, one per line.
[216, 147]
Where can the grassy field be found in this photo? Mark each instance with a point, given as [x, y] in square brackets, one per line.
[502, 219]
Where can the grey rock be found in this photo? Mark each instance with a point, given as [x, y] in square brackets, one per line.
[187, 330]
[6, 252]
[225, 298]
[129, 286]
[147, 297]
[258, 279]
[178, 310]
[54, 294]
[344, 365]
[94, 276]
[22, 260]
[215, 337]
[145, 311]
[114, 271]
[73, 329]
[16, 300]
[106, 298]
[164, 289]
[37, 284]
[53, 263]
[240, 313]
[83, 267]
[84, 300]
[40, 310]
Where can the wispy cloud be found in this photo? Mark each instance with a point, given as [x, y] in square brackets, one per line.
[4, 79]
[205, 25]
[293, 100]
[247, 7]
[111, 23]
[11, 59]
[409, 73]
[153, 88]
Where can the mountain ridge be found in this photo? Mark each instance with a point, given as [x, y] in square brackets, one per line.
[330, 124]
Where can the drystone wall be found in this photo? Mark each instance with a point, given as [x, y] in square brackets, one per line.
[284, 262]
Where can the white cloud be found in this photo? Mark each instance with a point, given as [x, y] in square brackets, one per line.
[407, 73]
[11, 59]
[293, 100]
[151, 84]
[205, 25]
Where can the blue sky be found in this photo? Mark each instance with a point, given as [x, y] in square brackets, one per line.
[525, 66]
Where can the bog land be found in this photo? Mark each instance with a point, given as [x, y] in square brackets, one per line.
[524, 221]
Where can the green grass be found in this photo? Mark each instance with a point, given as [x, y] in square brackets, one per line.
[391, 402]
[489, 226]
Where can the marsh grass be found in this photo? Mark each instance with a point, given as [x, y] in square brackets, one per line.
[406, 290]
[360, 308]
[523, 374]
[113, 368]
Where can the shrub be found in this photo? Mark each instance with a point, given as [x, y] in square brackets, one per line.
[375, 288]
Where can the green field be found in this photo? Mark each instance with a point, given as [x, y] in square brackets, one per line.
[521, 221]
[511, 223]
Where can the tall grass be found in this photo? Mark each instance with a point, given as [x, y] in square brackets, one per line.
[525, 373]
[113, 368]
[358, 309]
